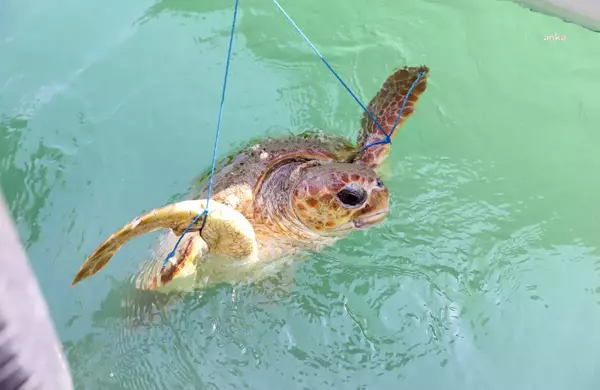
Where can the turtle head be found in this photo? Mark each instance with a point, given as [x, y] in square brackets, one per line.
[334, 198]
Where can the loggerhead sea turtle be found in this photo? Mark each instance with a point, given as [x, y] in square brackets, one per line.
[277, 197]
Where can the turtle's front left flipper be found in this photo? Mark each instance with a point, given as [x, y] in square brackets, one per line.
[226, 232]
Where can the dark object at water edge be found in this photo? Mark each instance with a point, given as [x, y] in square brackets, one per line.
[31, 356]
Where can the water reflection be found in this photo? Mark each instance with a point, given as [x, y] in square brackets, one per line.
[26, 183]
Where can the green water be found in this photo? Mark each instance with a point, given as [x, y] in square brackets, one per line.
[486, 275]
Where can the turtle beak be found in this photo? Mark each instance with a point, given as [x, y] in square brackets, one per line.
[371, 219]
[376, 210]
[366, 220]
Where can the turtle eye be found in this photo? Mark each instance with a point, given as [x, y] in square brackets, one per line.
[379, 183]
[352, 196]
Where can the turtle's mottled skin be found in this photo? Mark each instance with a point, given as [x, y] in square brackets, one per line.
[307, 191]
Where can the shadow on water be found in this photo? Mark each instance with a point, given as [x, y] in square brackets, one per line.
[27, 183]
[185, 8]
[261, 42]
[267, 44]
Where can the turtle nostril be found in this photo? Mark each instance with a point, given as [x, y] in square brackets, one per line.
[352, 197]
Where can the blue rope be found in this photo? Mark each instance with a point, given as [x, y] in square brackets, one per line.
[386, 140]
[388, 137]
[216, 142]
[330, 68]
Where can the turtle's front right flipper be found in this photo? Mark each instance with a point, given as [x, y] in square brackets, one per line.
[403, 87]
[226, 232]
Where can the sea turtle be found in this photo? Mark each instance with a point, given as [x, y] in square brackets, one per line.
[277, 197]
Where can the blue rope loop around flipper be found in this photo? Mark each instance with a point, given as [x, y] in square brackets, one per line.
[386, 140]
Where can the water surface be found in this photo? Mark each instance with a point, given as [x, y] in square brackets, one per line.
[485, 276]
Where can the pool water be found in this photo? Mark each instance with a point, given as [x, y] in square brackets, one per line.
[485, 276]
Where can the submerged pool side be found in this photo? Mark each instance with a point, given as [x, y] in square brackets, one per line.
[585, 13]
